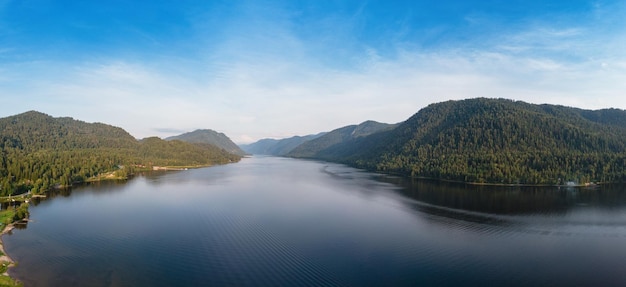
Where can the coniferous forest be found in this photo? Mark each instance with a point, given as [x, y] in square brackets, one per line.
[495, 141]
[40, 152]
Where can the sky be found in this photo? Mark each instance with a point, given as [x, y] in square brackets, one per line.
[275, 69]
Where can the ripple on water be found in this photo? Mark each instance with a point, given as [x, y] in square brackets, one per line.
[245, 252]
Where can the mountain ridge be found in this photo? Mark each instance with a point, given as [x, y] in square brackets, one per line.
[277, 147]
[496, 141]
[338, 136]
[209, 136]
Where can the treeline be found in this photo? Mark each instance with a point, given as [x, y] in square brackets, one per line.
[40, 152]
[496, 141]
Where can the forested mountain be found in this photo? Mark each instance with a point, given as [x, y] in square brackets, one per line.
[39, 152]
[276, 147]
[341, 135]
[209, 137]
[32, 131]
[496, 141]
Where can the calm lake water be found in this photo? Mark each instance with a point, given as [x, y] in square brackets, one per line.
[283, 222]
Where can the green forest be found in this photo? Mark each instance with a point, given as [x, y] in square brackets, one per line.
[496, 141]
[40, 152]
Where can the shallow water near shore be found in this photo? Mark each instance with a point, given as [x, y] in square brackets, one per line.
[283, 222]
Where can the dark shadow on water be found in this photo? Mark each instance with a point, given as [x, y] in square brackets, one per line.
[98, 187]
[20, 225]
[553, 211]
[509, 200]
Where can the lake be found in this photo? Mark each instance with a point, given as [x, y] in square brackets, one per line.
[270, 221]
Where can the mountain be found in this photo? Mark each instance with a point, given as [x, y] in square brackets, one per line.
[495, 141]
[32, 131]
[210, 137]
[277, 147]
[311, 148]
[40, 152]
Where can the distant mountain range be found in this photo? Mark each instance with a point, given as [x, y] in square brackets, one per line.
[308, 146]
[482, 140]
[212, 137]
[277, 147]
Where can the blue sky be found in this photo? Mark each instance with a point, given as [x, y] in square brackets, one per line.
[257, 69]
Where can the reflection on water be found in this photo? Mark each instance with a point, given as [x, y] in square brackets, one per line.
[283, 222]
[546, 211]
[510, 200]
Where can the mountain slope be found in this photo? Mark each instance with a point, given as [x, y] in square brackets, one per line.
[209, 137]
[34, 130]
[39, 152]
[312, 148]
[496, 141]
[277, 147]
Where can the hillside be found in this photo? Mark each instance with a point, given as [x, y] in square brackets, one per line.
[496, 141]
[40, 152]
[209, 137]
[277, 147]
[32, 131]
[311, 148]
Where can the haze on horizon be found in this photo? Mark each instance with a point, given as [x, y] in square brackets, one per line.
[258, 69]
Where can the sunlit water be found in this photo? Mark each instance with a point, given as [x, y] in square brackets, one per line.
[284, 222]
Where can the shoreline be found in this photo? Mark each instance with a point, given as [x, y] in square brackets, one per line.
[5, 257]
[5, 260]
[472, 183]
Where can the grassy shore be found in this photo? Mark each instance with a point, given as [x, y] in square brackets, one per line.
[6, 220]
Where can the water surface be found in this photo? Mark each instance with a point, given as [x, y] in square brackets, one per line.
[283, 222]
